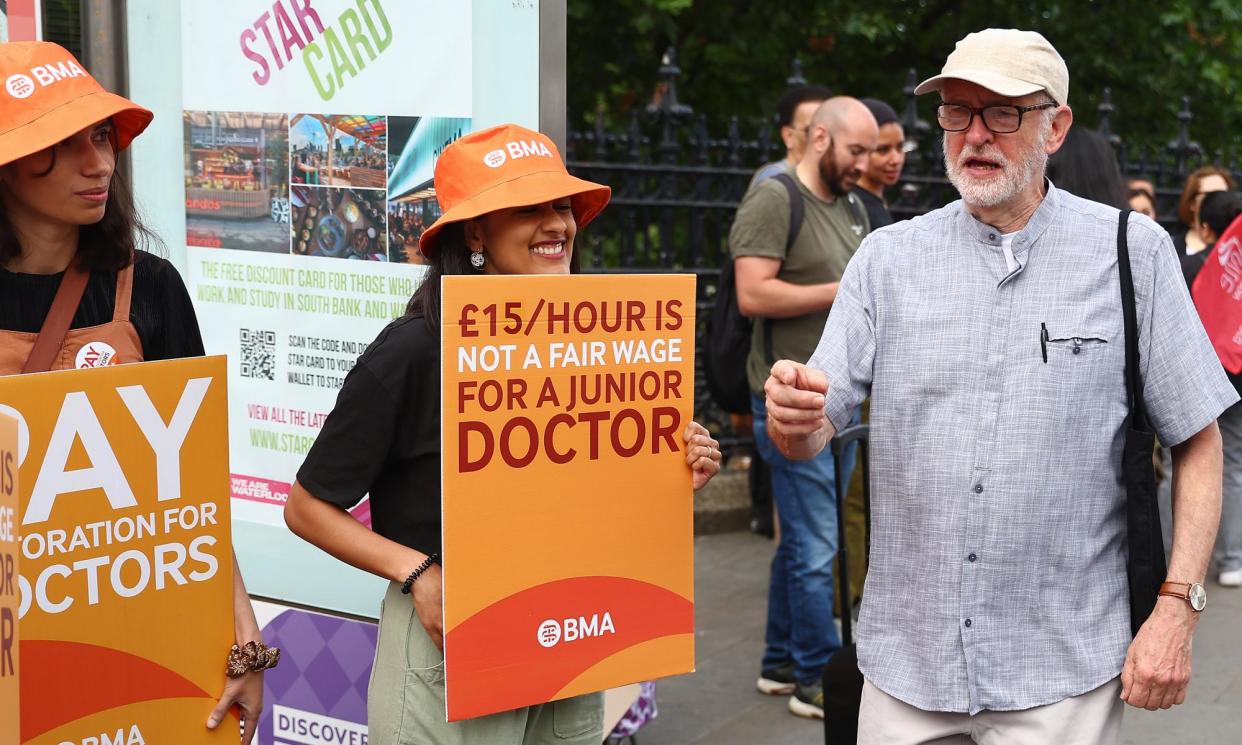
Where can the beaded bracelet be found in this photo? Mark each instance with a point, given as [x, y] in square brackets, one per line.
[418, 572]
[252, 657]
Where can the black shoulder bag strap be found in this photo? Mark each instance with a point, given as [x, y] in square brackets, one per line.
[1145, 566]
[797, 210]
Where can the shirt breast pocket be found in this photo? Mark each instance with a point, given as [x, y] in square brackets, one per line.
[1078, 348]
[1083, 369]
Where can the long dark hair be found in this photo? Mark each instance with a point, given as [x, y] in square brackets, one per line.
[1219, 209]
[452, 257]
[105, 246]
[1086, 166]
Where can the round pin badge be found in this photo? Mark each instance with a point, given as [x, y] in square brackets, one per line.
[95, 354]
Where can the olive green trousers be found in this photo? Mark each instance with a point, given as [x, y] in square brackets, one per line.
[405, 700]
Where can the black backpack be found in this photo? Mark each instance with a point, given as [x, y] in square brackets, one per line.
[729, 332]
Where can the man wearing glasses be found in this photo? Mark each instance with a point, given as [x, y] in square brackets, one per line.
[990, 335]
[794, 111]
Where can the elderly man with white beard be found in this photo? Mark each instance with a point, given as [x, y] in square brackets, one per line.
[990, 336]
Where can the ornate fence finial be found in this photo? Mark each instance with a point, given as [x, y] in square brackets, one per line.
[1183, 148]
[600, 137]
[1105, 128]
[633, 138]
[795, 74]
[1105, 109]
[702, 141]
[764, 142]
[916, 129]
[666, 109]
[735, 143]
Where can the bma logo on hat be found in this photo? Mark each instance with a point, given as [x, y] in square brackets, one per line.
[495, 159]
[22, 86]
[19, 86]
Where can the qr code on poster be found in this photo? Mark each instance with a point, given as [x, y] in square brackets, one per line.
[258, 354]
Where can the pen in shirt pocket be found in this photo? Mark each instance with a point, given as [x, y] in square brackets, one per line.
[1043, 341]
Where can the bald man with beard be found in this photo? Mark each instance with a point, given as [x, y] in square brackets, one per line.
[788, 283]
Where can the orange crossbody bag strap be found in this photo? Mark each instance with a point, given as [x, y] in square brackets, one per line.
[56, 325]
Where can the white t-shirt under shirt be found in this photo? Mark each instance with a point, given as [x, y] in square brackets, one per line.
[1011, 264]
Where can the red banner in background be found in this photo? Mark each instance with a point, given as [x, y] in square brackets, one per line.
[1217, 292]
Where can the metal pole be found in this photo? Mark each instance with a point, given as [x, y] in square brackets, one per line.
[104, 51]
[553, 97]
[103, 43]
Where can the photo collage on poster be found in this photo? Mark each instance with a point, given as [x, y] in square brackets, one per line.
[330, 185]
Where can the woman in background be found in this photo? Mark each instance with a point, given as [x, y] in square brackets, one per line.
[1141, 198]
[1200, 183]
[1086, 166]
[72, 276]
[883, 164]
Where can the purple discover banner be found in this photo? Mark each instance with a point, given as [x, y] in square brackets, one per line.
[318, 693]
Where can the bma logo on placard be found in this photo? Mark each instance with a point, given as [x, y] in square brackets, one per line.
[552, 632]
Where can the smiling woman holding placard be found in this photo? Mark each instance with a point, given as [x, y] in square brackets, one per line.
[74, 290]
[509, 208]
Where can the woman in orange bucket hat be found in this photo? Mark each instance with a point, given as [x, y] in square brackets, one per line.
[75, 289]
[509, 207]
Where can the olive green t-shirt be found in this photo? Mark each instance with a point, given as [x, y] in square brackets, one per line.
[830, 234]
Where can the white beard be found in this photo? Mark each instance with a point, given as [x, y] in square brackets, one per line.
[994, 192]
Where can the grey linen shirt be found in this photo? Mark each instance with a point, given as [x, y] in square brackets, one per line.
[998, 561]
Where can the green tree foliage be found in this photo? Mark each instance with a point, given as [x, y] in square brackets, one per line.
[736, 54]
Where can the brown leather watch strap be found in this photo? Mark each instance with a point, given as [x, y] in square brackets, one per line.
[1176, 590]
[56, 325]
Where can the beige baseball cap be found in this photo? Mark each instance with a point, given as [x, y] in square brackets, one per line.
[1006, 61]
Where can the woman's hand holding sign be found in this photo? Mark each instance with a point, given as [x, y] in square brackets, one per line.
[702, 454]
[246, 694]
[795, 402]
[427, 593]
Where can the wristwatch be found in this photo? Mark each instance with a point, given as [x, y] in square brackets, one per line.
[1192, 592]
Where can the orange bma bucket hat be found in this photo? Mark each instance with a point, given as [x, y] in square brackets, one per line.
[48, 96]
[501, 167]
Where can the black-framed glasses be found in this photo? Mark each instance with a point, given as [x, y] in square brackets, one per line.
[1001, 119]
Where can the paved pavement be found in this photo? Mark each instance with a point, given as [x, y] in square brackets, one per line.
[718, 704]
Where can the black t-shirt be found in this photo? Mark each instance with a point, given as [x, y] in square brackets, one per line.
[1192, 264]
[383, 437]
[877, 214]
[160, 307]
[1179, 238]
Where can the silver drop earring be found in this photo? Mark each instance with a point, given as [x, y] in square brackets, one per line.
[477, 260]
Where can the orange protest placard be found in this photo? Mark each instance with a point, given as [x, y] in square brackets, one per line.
[9, 555]
[568, 516]
[126, 573]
